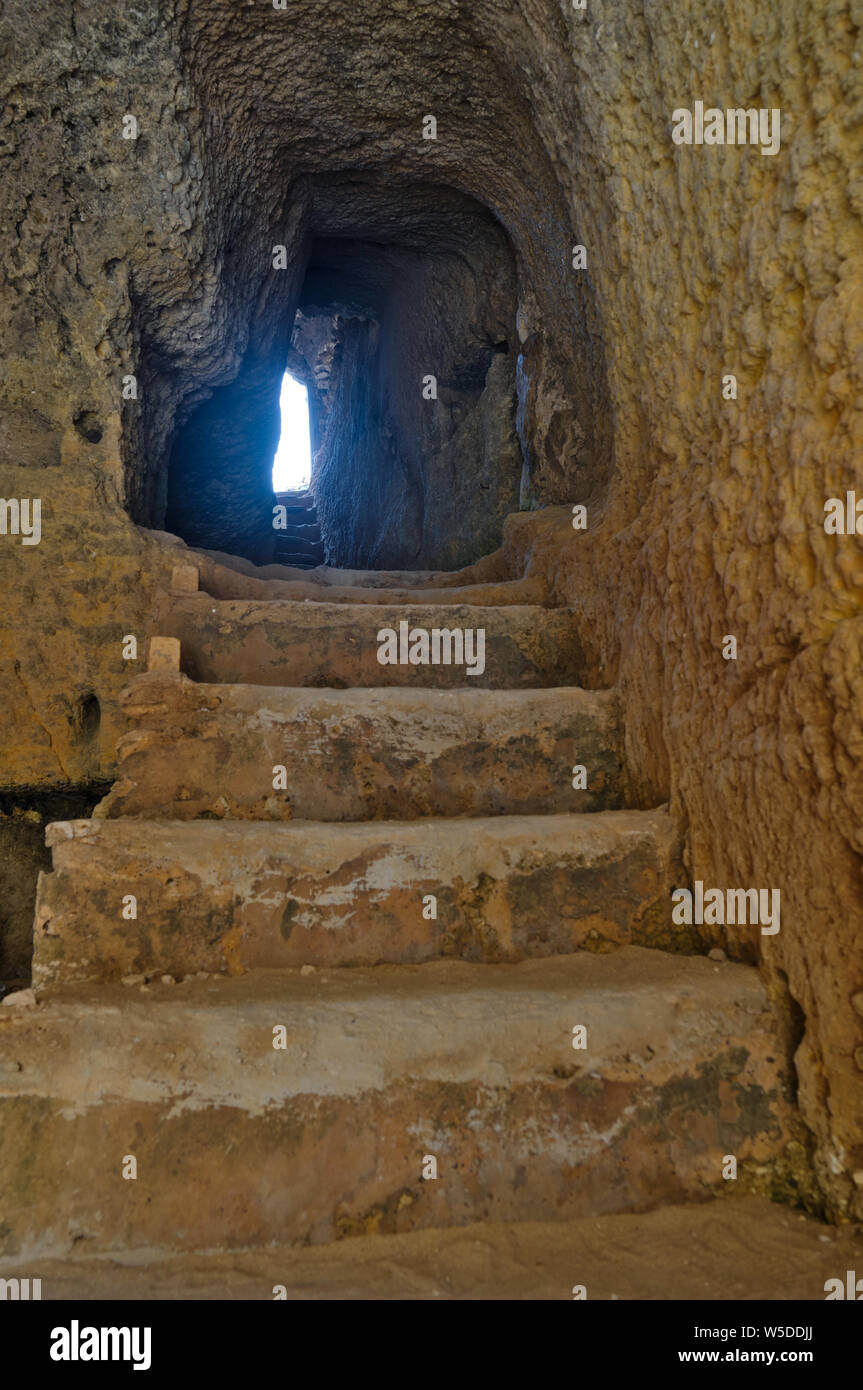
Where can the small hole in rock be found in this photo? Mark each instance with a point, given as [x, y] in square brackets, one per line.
[88, 426]
[89, 715]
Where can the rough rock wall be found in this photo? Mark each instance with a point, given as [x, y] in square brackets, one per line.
[710, 261]
[220, 488]
[705, 518]
[412, 474]
[281, 150]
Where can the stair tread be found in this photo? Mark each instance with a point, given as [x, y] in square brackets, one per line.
[491, 572]
[226, 584]
[350, 1030]
[747, 1248]
[426, 608]
[404, 699]
[592, 828]
[223, 895]
[243, 1143]
[336, 645]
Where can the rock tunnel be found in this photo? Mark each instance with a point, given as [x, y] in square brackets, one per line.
[441, 247]
[513, 295]
[392, 287]
[439, 401]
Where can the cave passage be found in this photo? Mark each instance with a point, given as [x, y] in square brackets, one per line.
[433, 405]
[394, 318]
[292, 465]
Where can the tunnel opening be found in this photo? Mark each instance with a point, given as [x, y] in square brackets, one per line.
[436, 406]
[292, 464]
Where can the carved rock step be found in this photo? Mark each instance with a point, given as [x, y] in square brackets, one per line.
[299, 559]
[299, 532]
[298, 516]
[298, 545]
[210, 750]
[300, 562]
[336, 645]
[299, 501]
[749, 1248]
[296, 507]
[336, 586]
[219, 570]
[239, 1144]
[236, 895]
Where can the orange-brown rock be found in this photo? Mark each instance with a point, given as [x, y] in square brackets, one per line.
[309, 644]
[130, 896]
[212, 750]
[325, 1136]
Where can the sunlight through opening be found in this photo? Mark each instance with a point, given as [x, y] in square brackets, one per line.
[292, 465]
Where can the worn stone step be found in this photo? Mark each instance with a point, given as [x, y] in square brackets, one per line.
[487, 573]
[241, 1144]
[211, 750]
[302, 511]
[298, 546]
[749, 1248]
[338, 586]
[299, 532]
[291, 554]
[298, 559]
[304, 500]
[233, 895]
[298, 536]
[337, 645]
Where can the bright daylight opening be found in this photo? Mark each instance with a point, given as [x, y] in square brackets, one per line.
[292, 465]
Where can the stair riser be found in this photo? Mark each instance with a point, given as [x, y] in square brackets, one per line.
[318, 1169]
[277, 1165]
[306, 644]
[204, 750]
[237, 896]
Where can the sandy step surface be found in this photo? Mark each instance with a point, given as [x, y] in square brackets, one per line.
[730, 1248]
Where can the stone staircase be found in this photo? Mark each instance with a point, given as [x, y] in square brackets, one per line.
[299, 542]
[348, 949]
